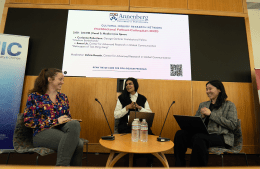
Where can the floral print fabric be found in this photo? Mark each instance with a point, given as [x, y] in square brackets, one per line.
[41, 113]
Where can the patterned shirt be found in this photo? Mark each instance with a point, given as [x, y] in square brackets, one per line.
[41, 113]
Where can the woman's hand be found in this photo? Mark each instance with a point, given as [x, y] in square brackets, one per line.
[130, 106]
[63, 119]
[137, 106]
[133, 105]
[205, 112]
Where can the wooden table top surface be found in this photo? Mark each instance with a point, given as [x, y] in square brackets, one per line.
[123, 143]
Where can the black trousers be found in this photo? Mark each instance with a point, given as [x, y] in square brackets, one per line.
[199, 143]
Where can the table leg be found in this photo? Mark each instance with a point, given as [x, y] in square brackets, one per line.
[162, 158]
[131, 157]
[110, 157]
[111, 161]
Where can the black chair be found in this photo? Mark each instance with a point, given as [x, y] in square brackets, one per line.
[238, 144]
[23, 141]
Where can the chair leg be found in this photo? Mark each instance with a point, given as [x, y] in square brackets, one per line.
[222, 159]
[246, 159]
[86, 155]
[8, 158]
[37, 159]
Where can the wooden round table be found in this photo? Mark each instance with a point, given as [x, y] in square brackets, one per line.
[124, 145]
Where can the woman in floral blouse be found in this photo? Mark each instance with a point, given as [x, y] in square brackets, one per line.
[47, 107]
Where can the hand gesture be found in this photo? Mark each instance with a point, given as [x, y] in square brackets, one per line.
[63, 119]
[205, 112]
[137, 106]
[130, 106]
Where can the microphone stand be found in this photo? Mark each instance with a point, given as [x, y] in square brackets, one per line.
[106, 137]
[135, 110]
[163, 139]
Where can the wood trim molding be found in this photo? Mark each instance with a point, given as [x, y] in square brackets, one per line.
[50, 2]
[98, 148]
[4, 16]
[244, 6]
[78, 7]
[184, 11]
[179, 4]
[250, 149]
[126, 8]
[129, 1]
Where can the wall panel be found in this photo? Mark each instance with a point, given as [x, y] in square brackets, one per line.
[4, 15]
[100, 2]
[39, 1]
[82, 93]
[160, 94]
[216, 5]
[83, 105]
[180, 4]
[241, 95]
[245, 6]
[28, 85]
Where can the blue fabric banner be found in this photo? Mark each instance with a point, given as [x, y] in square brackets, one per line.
[13, 58]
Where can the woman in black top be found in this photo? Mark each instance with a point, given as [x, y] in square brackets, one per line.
[128, 101]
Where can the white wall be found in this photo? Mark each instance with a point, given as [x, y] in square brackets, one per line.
[252, 0]
[254, 20]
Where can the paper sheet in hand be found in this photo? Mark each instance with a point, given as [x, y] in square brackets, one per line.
[65, 122]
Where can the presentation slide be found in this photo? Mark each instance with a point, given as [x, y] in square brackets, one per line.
[127, 44]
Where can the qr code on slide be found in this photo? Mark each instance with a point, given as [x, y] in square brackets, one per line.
[176, 70]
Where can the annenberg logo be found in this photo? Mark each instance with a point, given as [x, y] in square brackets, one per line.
[127, 18]
[113, 16]
[133, 17]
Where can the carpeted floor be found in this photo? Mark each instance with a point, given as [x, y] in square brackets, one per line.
[99, 160]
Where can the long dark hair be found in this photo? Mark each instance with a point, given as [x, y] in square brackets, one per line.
[222, 95]
[41, 82]
[125, 93]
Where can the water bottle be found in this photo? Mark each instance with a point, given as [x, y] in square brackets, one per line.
[139, 124]
[135, 130]
[144, 131]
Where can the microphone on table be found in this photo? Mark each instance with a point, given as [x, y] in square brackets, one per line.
[163, 139]
[106, 137]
